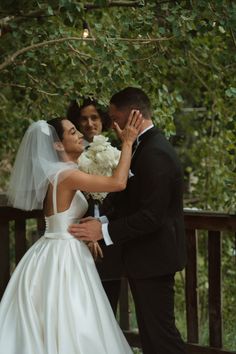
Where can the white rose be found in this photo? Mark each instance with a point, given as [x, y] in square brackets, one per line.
[99, 159]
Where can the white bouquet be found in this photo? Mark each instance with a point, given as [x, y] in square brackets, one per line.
[99, 159]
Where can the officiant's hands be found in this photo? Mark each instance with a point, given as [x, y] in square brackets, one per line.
[89, 229]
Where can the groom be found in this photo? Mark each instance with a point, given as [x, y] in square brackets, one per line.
[147, 220]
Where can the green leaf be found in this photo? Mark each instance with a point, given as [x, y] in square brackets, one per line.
[50, 10]
[221, 29]
[231, 92]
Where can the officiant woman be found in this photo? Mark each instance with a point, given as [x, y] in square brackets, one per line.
[90, 119]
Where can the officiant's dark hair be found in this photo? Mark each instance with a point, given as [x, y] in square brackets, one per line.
[74, 112]
[133, 98]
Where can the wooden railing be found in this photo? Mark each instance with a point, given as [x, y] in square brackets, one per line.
[217, 225]
[213, 223]
[13, 252]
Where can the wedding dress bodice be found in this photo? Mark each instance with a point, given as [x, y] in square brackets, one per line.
[57, 224]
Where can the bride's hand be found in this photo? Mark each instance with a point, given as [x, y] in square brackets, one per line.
[132, 128]
[95, 250]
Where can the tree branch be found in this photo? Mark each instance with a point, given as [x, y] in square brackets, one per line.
[140, 40]
[81, 54]
[199, 61]
[233, 36]
[197, 75]
[5, 26]
[114, 4]
[110, 3]
[12, 57]
[29, 88]
[144, 58]
[78, 52]
[21, 51]
[3, 97]
[41, 12]
[23, 16]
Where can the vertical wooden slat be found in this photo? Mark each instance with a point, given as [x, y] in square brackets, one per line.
[4, 256]
[20, 239]
[192, 287]
[40, 226]
[235, 248]
[214, 273]
[124, 305]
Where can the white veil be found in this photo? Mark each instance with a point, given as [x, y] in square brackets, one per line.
[36, 164]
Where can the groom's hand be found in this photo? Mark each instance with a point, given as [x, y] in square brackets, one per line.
[89, 229]
[88, 218]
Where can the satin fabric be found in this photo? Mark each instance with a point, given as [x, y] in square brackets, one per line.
[54, 302]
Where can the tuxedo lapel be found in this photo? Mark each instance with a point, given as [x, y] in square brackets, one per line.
[142, 140]
[134, 147]
[151, 132]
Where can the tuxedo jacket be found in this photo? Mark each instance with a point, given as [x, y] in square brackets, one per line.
[146, 219]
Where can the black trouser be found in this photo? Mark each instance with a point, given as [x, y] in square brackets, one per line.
[154, 303]
[112, 289]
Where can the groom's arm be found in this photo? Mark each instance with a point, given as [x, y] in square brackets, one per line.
[95, 228]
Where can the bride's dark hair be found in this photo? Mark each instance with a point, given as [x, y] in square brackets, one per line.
[56, 123]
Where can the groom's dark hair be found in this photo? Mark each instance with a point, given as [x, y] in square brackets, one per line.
[133, 98]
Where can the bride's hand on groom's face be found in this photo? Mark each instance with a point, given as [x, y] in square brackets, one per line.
[87, 230]
[132, 127]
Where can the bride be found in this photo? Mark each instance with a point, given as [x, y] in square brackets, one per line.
[54, 302]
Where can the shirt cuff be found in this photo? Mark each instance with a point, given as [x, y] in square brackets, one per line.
[106, 236]
[103, 219]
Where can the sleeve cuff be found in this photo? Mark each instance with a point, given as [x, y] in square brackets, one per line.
[106, 236]
[103, 219]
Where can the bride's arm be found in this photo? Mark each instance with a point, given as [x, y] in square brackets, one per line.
[117, 182]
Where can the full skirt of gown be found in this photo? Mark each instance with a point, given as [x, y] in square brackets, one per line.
[55, 302]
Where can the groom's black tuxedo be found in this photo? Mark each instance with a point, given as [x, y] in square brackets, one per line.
[147, 219]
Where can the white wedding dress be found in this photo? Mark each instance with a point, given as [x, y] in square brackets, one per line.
[55, 302]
